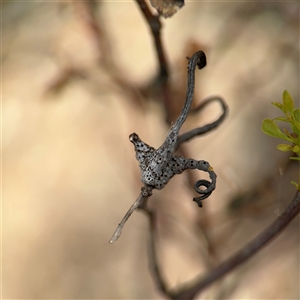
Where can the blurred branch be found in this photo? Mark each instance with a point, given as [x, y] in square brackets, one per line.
[153, 261]
[227, 266]
[243, 255]
[163, 76]
[86, 13]
[155, 26]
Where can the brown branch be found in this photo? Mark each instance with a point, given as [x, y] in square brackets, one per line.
[85, 12]
[163, 76]
[155, 26]
[243, 255]
[153, 261]
[224, 268]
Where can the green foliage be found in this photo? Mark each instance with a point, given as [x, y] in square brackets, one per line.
[292, 116]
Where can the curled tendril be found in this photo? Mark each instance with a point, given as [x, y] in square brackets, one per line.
[210, 186]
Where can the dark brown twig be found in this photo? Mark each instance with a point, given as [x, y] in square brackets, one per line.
[155, 26]
[163, 75]
[243, 255]
[153, 261]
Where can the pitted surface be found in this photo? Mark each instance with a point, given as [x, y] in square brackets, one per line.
[158, 166]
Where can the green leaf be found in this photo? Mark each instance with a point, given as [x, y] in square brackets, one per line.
[296, 149]
[283, 119]
[291, 136]
[295, 158]
[279, 105]
[296, 114]
[270, 128]
[295, 127]
[288, 102]
[284, 147]
[296, 184]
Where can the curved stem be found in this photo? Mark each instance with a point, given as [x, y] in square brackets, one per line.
[185, 137]
[198, 59]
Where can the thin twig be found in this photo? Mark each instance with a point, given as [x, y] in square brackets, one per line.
[185, 137]
[146, 192]
[244, 254]
[163, 75]
[155, 26]
[153, 261]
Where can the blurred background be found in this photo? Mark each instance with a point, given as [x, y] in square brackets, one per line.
[71, 95]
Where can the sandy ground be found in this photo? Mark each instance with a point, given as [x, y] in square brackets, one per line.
[69, 171]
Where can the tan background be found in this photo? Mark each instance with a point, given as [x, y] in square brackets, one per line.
[69, 170]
